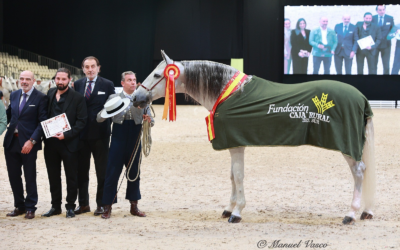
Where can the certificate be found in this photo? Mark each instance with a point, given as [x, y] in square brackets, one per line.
[365, 42]
[55, 125]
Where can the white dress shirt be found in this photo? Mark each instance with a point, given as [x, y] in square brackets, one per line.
[324, 36]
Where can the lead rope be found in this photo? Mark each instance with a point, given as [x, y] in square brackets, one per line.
[146, 146]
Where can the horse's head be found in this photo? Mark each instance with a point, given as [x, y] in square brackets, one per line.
[15, 84]
[154, 86]
[6, 84]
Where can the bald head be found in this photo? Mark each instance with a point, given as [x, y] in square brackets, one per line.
[26, 79]
[323, 21]
[346, 19]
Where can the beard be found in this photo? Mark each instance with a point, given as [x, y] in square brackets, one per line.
[62, 87]
[367, 22]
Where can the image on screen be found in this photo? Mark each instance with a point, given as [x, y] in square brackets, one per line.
[342, 40]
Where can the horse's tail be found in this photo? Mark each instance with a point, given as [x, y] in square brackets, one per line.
[368, 157]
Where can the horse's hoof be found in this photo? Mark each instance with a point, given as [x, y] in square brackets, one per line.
[366, 216]
[348, 220]
[226, 214]
[234, 219]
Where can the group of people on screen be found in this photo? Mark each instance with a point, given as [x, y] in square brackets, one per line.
[341, 43]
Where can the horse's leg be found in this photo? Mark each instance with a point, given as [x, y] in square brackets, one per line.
[357, 169]
[369, 183]
[237, 155]
[228, 209]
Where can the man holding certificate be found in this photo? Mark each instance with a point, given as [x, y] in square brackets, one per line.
[68, 115]
[369, 39]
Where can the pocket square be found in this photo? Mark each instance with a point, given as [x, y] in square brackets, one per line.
[31, 105]
[101, 93]
[388, 23]
[350, 32]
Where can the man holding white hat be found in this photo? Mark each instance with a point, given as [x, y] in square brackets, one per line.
[125, 135]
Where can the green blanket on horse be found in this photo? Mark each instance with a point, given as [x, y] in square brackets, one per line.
[327, 114]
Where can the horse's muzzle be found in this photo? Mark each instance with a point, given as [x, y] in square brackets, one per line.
[141, 101]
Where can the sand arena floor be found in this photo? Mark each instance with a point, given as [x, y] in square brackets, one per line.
[292, 194]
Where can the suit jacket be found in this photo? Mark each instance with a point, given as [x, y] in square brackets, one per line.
[375, 33]
[316, 39]
[28, 121]
[75, 109]
[299, 43]
[387, 26]
[347, 41]
[102, 90]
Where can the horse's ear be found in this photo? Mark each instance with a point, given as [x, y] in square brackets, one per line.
[166, 58]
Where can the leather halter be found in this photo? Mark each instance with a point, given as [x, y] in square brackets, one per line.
[141, 85]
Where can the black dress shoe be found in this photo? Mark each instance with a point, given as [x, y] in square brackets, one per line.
[52, 211]
[70, 213]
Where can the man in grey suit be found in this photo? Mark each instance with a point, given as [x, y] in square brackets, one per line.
[347, 45]
[385, 23]
[125, 135]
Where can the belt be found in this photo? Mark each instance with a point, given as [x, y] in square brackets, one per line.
[16, 134]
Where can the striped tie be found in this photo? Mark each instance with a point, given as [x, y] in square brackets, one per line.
[88, 90]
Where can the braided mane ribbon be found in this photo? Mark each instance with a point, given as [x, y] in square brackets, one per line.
[235, 82]
[171, 73]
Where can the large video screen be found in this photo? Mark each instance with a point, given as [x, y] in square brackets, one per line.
[342, 40]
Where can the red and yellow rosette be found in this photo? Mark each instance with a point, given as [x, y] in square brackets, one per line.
[236, 81]
[171, 73]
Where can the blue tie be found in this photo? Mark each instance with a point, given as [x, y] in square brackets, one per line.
[88, 90]
[345, 29]
[21, 106]
[380, 21]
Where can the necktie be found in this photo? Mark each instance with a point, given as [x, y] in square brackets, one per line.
[88, 90]
[345, 29]
[21, 106]
[380, 21]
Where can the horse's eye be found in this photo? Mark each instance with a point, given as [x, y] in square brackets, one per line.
[157, 76]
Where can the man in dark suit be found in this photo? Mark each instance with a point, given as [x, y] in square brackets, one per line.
[347, 45]
[64, 146]
[364, 30]
[385, 23]
[95, 136]
[28, 107]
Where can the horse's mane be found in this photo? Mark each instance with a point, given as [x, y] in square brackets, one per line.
[206, 77]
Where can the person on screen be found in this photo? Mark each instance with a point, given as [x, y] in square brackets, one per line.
[347, 45]
[395, 33]
[385, 23]
[288, 47]
[301, 48]
[324, 42]
[365, 29]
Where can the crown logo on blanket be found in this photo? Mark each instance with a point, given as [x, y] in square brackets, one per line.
[321, 105]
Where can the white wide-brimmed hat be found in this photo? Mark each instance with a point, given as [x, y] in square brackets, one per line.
[114, 106]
